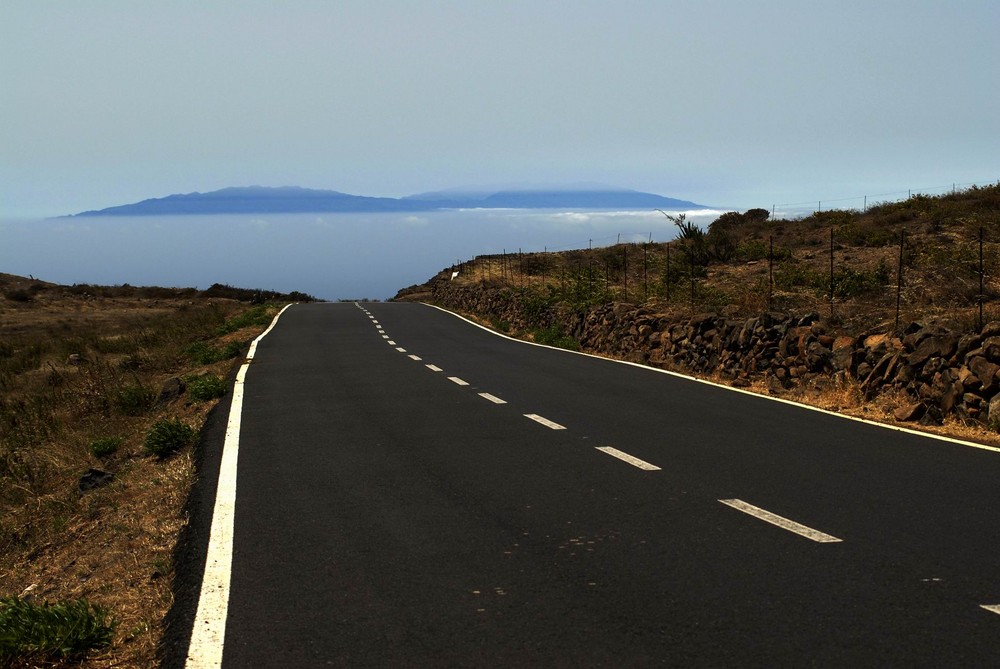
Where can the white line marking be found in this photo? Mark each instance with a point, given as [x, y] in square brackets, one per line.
[209, 631]
[781, 522]
[456, 380]
[992, 608]
[391, 343]
[631, 459]
[492, 398]
[401, 349]
[434, 368]
[769, 398]
[416, 357]
[385, 336]
[544, 421]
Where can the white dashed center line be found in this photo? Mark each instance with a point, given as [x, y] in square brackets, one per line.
[544, 421]
[992, 608]
[434, 368]
[783, 523]
[385, 336]
[391, 343]
[458, 381]
[492, 398]
[416, 357]
[401, 349]
[625, 457]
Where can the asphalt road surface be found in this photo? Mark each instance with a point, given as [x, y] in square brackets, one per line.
[416, 491]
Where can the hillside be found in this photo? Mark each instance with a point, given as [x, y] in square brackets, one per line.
[868, 286]
[261, 200]
[102, 392]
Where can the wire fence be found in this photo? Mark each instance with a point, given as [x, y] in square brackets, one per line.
[863, 202]
[884, 286]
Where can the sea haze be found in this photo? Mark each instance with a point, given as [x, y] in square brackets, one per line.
[331, 256]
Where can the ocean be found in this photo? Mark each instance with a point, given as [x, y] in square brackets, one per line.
[330, 256]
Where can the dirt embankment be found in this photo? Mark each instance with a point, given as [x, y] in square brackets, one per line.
[927, 374]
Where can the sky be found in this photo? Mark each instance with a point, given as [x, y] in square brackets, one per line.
[729, 103]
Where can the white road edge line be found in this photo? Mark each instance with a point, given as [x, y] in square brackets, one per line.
[544, 421]
[458, 381]
[415, 357]
[769, 398]
[492, 398]
[209, 631]
[434, 368]
[992, 608]
[783, 523]
[631, 459]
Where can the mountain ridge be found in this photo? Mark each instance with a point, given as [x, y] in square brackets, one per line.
[295, 199]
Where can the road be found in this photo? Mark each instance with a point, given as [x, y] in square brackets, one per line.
[416, 491]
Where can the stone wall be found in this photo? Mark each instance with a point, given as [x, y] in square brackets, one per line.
[942, 372]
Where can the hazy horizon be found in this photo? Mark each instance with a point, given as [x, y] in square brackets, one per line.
[726, 103]
[331, 256]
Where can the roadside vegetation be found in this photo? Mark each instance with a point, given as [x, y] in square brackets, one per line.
[843, 264]
[102, 393]
[895, 267]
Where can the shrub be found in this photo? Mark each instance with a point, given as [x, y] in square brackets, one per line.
[105, 446]
[18, 295]
[205, 354]
[257, 316]
[134, 400]
[757, 249]
[167, 436]
[207, 387]
[554, 336]
[32, 632]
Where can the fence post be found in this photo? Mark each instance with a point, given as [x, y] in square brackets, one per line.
[590, 268]
[899, 276]
[831, 273]
[691, 255]
[625, 271]
[645, 283]
[666, 278]
[770, 270]
[981, 279]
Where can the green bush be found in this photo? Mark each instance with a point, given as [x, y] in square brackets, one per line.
[31, 633]
[168, 436]
[207, 387]
[18, 295]
[205, 354]
[554, 336]
[257, 316]
[134, 400]
[758, 249]
[106, 446]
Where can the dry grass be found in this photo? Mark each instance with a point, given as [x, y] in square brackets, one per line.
[75, 367]
[940, 266]
[940, 280]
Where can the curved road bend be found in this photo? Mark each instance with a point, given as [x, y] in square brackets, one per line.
[416, 491]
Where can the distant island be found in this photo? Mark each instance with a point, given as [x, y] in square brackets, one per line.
[292, 199]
